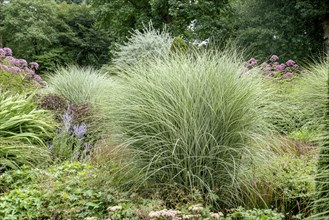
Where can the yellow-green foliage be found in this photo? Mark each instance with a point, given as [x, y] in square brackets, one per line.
[178, 46]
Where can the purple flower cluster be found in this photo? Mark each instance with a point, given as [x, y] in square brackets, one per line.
[13, 65]
[78, 130]
[275, 69]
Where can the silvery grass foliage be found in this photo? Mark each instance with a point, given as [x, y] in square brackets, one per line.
[321, 205]
[79, 85]
[191, 121]
[312, 95]
[142, 45]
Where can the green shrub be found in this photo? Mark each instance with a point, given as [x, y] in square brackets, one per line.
[67, 191]
[286, 181]
[178, 46]
[191, 121]
[254, 214]
[79, 85]
[143, 45]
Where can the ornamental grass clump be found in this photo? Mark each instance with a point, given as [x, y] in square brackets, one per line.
[143, 45]
[191, 121]
[312, 95]
[79, 85]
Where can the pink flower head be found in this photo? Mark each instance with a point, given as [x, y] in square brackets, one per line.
[8, 51]
[290, 63]
[14, 69]
[280, 67]
[252, 62]
[4, 67]
[37, 77]
[22, 62]
[34, 65]
[287, 75]
[268, 67]
[274, 58]
[13, 61]
[2, 53]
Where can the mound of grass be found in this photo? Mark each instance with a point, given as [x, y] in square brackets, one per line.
[79, 85]
[191, 121]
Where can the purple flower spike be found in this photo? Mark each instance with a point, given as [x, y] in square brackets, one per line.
[67, 119]
[2, 53]
[8, 51]
[274, 58]
[290, 63]
[287, 75]
[34, 65]
[80, 130]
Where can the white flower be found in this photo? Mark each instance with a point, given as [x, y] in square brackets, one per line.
[114, 208]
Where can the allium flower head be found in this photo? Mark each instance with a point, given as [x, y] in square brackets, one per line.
[14, 69]
[8, 51]
[4, 67]
[287, 75]
[280, 67]
[34, 65]
[23, 62]
[37, 77]
[252, 62]
[274, 58]
[268, 67]
[290, 63]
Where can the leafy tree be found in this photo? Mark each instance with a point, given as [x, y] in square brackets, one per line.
[210, 17]
[53, 34]
[291, 29]
[28, 26]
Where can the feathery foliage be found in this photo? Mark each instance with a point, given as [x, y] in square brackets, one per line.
[79, 85]
[192, 120]
[142, 45]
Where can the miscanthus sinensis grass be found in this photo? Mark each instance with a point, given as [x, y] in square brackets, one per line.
[191, 121]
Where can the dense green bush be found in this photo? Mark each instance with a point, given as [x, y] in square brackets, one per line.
[286, 181]
[190, 120]
[67, 191]
[254, 214]
[59, 192]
